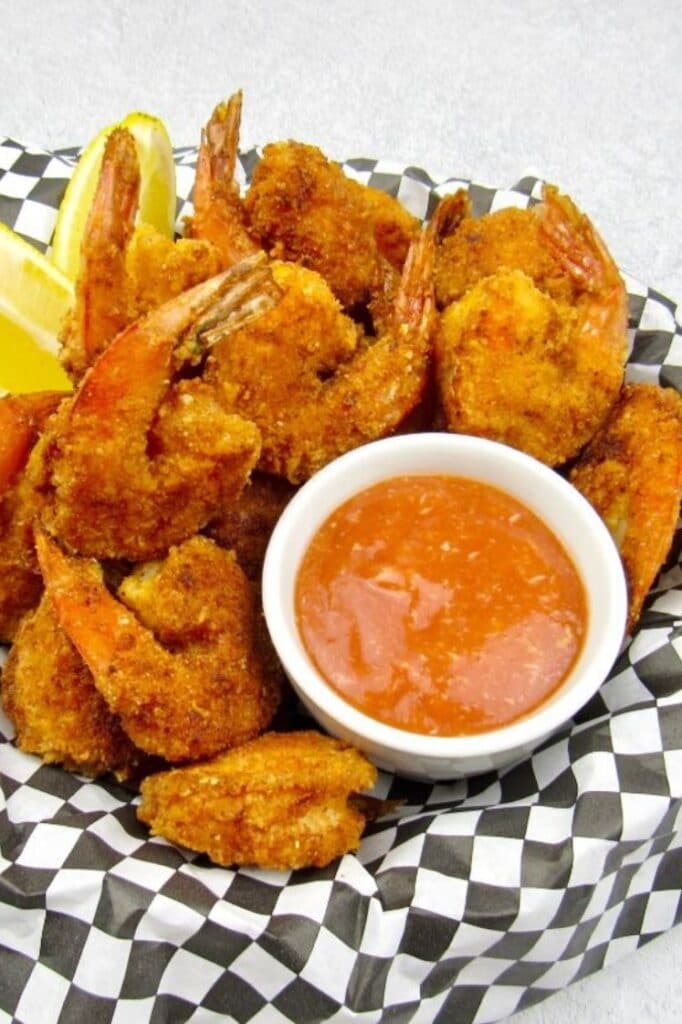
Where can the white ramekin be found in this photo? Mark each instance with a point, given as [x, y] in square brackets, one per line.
[556, 502]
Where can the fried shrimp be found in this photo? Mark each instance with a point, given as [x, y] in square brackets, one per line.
[176, 656]
[218, 215]
[515, 365]
[473, 248]
[49, 695]
[22, 417]
[245, 525]
[632, 474]
[137, 462]
[103, 308]
[125, 271]
[301, 207]
[329, 388]
[283, 801]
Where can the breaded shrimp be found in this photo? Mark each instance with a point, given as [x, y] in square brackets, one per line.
[176, 656]
[632, 474]
[472, 248]
[158, 268]
[102, 308]
[301, 207]
[137, 462]
[49, 695]
[313, 387]
[218, 214]
[22, 417]
[517, 366]
[283, 801]
[125, 271]
[245, 524]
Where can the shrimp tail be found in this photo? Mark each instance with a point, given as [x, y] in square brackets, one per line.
[579, 249]
[574, 242]
[102, 302]
[218, 214]
[449, 214]
[132, 371]
[92, 618]
[21, 419]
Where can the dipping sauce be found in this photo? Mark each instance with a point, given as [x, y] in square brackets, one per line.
[440, 605]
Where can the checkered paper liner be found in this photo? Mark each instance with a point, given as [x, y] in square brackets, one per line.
[472, 901]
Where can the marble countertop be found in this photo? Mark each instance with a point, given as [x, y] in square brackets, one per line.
[584, 94]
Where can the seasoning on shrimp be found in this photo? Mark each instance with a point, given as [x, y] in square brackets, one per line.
[51, 699]
[631, 472]
[176, 655]
[517, 366]
[245, 524]
[472, 248]
[313, 385]
[125, 271]
[137, 461]
[22, 417]
[303, 208]
[283, 801]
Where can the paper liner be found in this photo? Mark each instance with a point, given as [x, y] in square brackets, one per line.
[473, 901]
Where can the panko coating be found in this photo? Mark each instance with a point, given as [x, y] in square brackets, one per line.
[50, 697]
[515, 365]
[246, 524]
[125, 270]
[283, 801]
[137, 461]
[632, 474]
[22, 417]
[301, 207]
[177, 657]
[508, 239]
[312, 383]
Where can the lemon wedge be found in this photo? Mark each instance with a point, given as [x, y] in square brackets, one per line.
[157, 188]
[34, 299]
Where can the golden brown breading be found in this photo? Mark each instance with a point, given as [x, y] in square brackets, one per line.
[22, 417]
[177, 658]
[510, 368]
[136, 462]
[540, 374]
[632, 474]
[49, 695]
[281, 801]
[159, 268]
[246, 524]
[303, 208]
[125, 271]
[394, 226]
[301, 375]
[508, 239]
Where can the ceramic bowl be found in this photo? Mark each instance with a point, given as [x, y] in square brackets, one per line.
[562, 508]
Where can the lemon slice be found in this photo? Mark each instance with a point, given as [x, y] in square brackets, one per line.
[157, 188]
[34, 299]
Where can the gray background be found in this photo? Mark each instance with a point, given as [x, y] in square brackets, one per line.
[587, 95]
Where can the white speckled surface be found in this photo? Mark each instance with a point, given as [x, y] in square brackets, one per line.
[585, 94]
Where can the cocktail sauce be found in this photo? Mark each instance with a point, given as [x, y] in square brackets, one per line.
[440, 605]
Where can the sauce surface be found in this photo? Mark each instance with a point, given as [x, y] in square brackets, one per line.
[439, 605]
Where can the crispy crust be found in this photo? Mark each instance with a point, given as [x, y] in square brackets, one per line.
[632, 474]
[281, 801]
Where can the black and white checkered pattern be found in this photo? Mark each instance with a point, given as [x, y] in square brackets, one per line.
[474, 900]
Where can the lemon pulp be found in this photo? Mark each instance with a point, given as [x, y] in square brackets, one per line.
[24, 365]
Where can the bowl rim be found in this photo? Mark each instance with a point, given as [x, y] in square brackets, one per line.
[304, 511]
